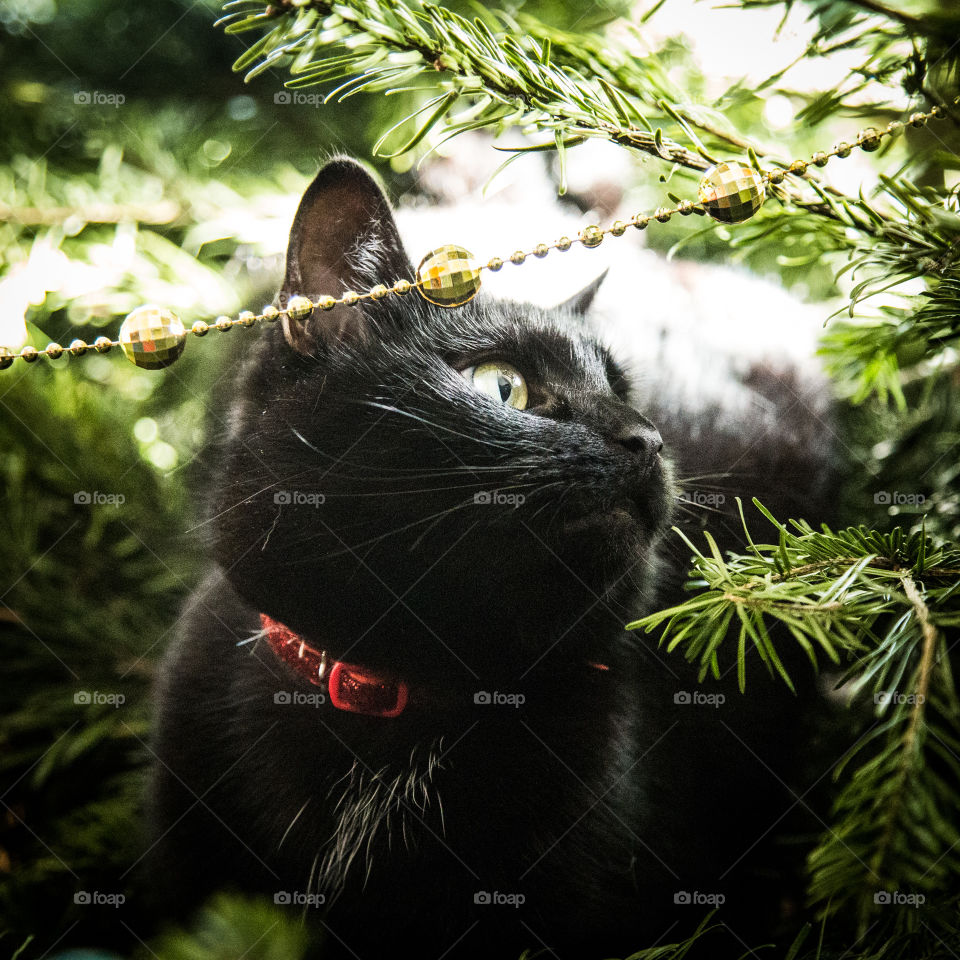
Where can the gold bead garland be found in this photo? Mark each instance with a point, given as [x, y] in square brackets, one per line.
[153, 337]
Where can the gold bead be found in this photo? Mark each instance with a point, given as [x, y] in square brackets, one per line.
[799, 167]
[270, 313]
[938, 112]
[326, 302]
[894, 127]
[223, 323]
[776, 176]
[152, 337]
[77, 348]
[517, 257]
[685, 208]
[591, 236]
[868, 140]
[247, 318]
[54, 351]
[350, 297]
[494, 264]
[402, 287]
[564, 243]
[29, 354]
[917, 119]
[449, 276]
[541, 250]
[662, 215]
[820, 158]
[618, 228]
[102, 345]
[731, 192]
[842, 149]
[6, 358]
[200, 328]
[299, 308]
[379, 292]
[640, 221]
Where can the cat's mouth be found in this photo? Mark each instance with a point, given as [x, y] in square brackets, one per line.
[638, 511]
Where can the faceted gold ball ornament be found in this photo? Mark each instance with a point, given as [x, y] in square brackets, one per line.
[152, 337]
[591, 236]
[448, 276]
[299, 308]
[731, 192]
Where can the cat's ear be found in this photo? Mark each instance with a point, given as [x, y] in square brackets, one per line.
[343, 238]
[580, 302]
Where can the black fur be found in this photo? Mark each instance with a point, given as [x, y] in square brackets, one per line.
[597, 800]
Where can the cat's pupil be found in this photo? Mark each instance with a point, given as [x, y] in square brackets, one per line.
[506, 387]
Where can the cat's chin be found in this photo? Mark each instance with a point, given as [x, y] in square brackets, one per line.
[620, 518]
[620, 533]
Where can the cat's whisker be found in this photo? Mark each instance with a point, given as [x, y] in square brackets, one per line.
[377, 470]
[706, 476]
[700, 506]
[296, 817]
[422, 490]
[390, 533]
[437, 519]
[436, 426]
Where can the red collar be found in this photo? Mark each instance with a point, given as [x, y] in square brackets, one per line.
[351, 687]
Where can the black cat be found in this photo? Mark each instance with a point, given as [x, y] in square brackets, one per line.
[403, 701]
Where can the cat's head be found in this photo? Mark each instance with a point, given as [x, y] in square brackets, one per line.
[400, 477]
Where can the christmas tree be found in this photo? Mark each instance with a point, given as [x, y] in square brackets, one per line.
[125, 179]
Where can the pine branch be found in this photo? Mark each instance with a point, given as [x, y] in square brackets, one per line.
[914, 23]
[510, 79]
[879, 603]
[521, 73]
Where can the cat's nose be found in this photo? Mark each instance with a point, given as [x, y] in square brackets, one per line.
[641, 438]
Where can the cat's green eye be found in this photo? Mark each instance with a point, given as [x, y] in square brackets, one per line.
[500, 381]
